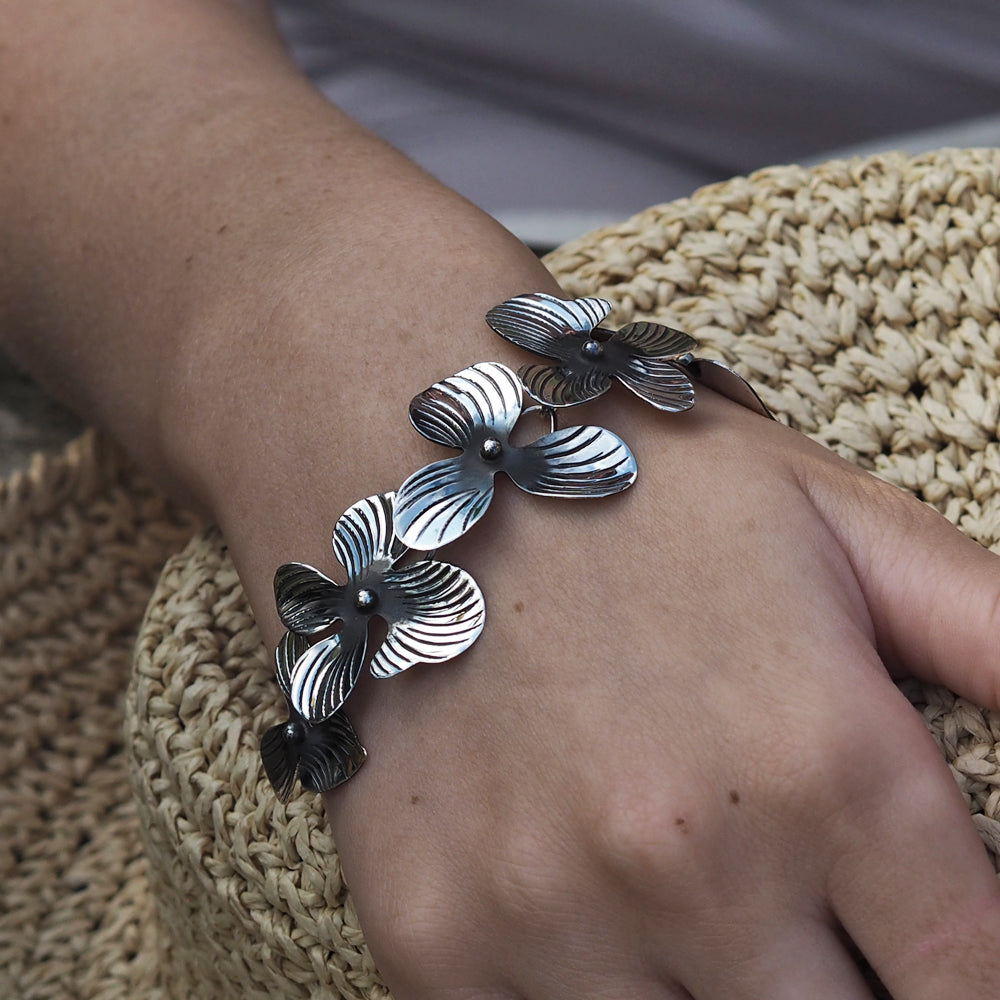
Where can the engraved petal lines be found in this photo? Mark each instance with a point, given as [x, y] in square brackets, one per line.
[553, 386]
[433, 610]
[449, 412]
[575, 462]
[321, 756]
[444, 615]
[662, 383]
[640, 354]
[326, 673]
[364, 537]
[332, 753]
[440, 502]
[281, 760]
[655, 340]
[290, 648]
[308, 601]
[538, 322]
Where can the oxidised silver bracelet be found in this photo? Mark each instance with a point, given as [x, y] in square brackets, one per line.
[434, 611]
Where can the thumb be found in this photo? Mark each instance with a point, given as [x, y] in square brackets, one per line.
[933, 593]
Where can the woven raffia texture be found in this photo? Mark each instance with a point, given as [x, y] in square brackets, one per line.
[82, 541]
[861, 297]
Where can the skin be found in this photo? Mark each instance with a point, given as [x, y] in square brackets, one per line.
[675, 764]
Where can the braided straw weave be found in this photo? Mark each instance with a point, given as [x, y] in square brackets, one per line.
[82, 541]
[863, 298]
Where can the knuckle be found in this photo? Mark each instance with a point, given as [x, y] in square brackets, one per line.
[893, 776]
[653, 839]
[818, 772]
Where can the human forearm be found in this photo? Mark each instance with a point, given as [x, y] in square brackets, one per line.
[112, 119]
[175, 191]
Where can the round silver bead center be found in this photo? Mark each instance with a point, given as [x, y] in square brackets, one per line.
[295, 732]
[491, 449]
[365, 600]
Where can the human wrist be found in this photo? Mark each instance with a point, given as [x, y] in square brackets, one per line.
[434, 611]
[301, 390]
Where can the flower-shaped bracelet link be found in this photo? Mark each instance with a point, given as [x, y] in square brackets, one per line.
[434, 611]
[476, 411]
[652, 360]
[321, 755]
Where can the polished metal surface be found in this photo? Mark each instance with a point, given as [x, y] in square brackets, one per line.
[321, 755]
[433, 610]
[326, 673]
[723, 380]
[642, 356]
[537, 320]
[476, 411]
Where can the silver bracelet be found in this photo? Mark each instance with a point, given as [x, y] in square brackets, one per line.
[432, 610]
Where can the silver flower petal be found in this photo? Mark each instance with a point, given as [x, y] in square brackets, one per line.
[552, 385]
[664, 384]
[441, 501]
[326, 673]
[538, 321]
[308, 601]
[279, 748]
[450, 412]
[332, 754]
[290, 648]
[437, 612]
[363, 538]
[574, 462]
[655, 340]
[321, 756]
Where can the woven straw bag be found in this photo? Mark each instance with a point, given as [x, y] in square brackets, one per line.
[862, 298]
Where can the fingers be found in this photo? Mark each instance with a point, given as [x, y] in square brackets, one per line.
[914, 887]
[601, 982]
[933, 594]
[806, 958]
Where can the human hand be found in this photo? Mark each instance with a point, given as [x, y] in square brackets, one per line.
[675, 764]
[675, 760]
